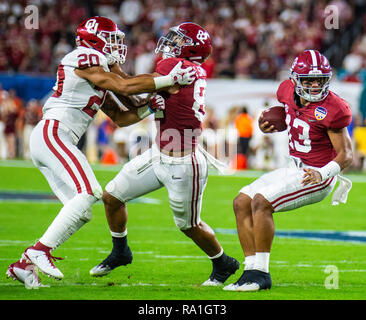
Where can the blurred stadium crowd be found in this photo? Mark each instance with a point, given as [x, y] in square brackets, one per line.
[253, 39]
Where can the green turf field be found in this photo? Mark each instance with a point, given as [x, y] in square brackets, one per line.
[167, 265]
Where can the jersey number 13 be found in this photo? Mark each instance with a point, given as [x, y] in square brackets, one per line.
[302, 143]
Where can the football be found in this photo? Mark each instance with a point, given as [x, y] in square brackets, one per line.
[275, 116]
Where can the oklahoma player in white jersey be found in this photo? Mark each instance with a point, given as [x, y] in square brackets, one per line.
[83, 78]
[320, 148]
[174, 161]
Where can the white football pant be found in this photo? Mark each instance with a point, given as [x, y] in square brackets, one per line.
[54, 152]
[283, 189]
[184, 177]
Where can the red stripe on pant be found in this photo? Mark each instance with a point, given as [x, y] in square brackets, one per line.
[59, 156]
[73, 159]
[312, 190]
[193, 191]
[302, 190]
[198, 188]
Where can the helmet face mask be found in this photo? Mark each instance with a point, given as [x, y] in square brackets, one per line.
[188, 41]
[171, 44]
[114, 45]
[312, 73]
[308, 91]
[102, 34]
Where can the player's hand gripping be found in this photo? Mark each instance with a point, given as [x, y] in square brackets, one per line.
[112, 58]
[311, 176]
[264, 126]
[156, 103]
[182, 76]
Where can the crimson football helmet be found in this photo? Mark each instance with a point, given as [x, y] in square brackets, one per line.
[102, 34]
[187, 40]
[307, 67]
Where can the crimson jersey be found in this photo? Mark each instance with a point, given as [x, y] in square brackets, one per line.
[179, 125]
[307, 126]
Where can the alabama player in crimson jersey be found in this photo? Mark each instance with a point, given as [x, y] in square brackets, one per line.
[84, 78]
[174, 161]
[319, 147]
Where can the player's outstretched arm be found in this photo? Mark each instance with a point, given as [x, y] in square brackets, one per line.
[121, 118]
[116, 68]
[115, 83]
[125, 118]
[135, 85]
[132, 101]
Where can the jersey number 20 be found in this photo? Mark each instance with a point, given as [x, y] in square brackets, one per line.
[88, 60]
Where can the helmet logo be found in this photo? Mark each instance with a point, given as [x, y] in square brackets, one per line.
[294, 63]
[202, 36]
[315, 71]
[91, 26]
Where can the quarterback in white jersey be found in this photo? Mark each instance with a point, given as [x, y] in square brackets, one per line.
[84, 78]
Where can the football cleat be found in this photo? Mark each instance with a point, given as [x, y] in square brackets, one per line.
[251, 280]
[43, 260]
[25, 273]
[111, 262]
[220, 274]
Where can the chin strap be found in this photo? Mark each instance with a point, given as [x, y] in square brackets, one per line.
[341, 193]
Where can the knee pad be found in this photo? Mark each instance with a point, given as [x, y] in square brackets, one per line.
[181, 223]
[74, 214]
[177, 206]
[181, 218]
[87, 215]
[118, 191]
[110, 187]
[98, 192]
[81, 206]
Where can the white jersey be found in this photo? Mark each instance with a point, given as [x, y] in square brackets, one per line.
[75, 100]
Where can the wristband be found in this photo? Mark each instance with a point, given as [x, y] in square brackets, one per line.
[331, 169]
[163, 81]
[143, 112]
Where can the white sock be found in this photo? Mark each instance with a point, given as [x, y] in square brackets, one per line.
[249, 262]
[119, 234]
[70, 219]
[262, 261]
